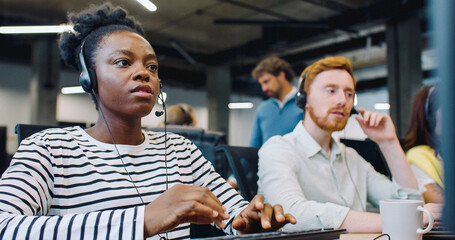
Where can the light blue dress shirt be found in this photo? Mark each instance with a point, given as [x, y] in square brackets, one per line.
[318, 190]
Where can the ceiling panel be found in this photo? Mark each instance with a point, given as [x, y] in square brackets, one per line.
[300, 30]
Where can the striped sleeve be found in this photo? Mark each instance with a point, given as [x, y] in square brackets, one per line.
[108, 224]
[26, 194]
[205, 175]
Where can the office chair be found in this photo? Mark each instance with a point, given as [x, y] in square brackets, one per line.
[26, 130]
[4, 159]
[243, 163]
[206, 141]
[193, 133]
[370, 151]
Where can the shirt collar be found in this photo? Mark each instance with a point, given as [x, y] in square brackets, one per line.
[336, 149]
[287, 98]
[306, 141]
[310, 146]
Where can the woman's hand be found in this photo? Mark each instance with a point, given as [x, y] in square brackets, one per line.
[261, 217]
[182, 204]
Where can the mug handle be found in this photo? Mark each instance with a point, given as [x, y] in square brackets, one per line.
[430, 220]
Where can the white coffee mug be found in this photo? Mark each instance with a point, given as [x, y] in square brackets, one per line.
[403, 219]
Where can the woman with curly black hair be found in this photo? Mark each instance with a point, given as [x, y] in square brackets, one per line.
[115, 180]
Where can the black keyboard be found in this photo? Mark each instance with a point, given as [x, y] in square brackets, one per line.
[314, 234]
[439, 232]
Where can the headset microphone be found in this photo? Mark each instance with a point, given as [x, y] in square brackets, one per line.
[159, 113]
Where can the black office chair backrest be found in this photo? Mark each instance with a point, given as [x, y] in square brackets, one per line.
[4, 160]
[214, 137]
[195, 134]
[206, 141]
[192, 133]
[208, 151]
[24, 131]
[243, 163]
[370, 151]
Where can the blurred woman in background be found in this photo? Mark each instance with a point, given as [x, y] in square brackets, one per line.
[421, 144]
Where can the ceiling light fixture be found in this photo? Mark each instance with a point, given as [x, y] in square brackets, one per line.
[35, 29]
[72, 90]
[381, 106]
[240, 105]
[147, 4]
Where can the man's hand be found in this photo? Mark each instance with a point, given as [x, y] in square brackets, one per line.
[377, 126]
[261, 217]
[181, 204]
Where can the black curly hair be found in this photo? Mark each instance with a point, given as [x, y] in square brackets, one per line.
[90, 26]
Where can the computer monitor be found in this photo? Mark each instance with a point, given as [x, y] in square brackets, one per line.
[442, 17]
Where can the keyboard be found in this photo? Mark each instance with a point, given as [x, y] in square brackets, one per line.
[314, 234]
[439, 232]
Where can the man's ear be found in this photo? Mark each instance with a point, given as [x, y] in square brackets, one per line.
[282, 76]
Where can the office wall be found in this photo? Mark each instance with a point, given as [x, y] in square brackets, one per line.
[14, 100]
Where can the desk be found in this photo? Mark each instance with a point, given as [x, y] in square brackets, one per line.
[359, 236]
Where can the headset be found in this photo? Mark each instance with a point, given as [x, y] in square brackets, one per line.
[188, 119]
[87, 79]
[429, 112]
[160, 96]
[300, 97]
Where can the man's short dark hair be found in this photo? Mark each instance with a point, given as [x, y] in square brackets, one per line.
[274, 66]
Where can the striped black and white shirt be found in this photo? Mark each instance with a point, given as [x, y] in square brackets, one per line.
[64, 184]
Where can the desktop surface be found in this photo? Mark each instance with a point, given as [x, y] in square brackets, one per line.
[438, 233]
[316, 234]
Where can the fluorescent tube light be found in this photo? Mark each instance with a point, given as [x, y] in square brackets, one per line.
[147, 4]
[35, 29]
[240, 105]
[72, 90]
[381, 106]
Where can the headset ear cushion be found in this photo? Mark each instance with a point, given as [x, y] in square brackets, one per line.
[87, 79]
[85, 82]
[300, 99]
[353, 111]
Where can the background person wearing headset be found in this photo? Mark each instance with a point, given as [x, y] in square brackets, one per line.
[317, 179]
[181, 114]
[115, 180]
[421, 143]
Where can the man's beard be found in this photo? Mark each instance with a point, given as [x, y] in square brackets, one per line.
[276, 94]
[325, 124]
